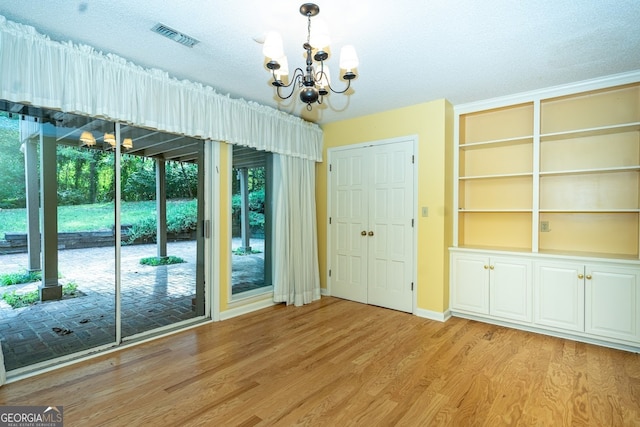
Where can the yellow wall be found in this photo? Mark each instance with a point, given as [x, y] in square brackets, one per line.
[432, 122]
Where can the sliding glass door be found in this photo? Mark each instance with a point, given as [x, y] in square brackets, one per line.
[100, 234]
[161, 221]
[57, 248]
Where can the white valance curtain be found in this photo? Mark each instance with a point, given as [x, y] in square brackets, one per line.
[78, 79]
[296, 275]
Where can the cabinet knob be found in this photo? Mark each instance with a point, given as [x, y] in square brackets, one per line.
[491, 267]
[371, 233]
[588, 277]
[580, 276]
[363, 233]
[486, 267]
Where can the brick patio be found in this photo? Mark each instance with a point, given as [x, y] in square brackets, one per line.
[151, 297]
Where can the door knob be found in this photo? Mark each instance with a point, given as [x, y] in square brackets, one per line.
[363, 233]
[371, 233]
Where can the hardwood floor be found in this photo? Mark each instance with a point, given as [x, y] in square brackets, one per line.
[339, 363]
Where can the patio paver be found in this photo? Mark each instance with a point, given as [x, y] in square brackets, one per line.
[151, 297]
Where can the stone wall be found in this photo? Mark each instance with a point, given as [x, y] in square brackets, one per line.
[17, 242]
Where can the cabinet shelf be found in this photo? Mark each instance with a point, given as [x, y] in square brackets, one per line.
[590, 255]
[462, 210]
[498, 176]
[571, 161]
[596, 131]
[589, 210]
[508, 125]
[507, 142]
[614, 233]
[604, 108]
[590, 171]
[495, 228]
[594, 152]
[497, 160]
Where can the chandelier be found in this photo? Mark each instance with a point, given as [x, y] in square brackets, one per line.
[87, 138]
[313, 82]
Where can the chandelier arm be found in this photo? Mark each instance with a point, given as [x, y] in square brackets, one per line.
[296, 77]
[298, 73]
[340, 91]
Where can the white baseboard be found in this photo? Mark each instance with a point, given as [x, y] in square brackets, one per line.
[552, 332]
[248, 308]
[433, 315]
[324, 292]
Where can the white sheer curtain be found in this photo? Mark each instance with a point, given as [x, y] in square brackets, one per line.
[296, 276]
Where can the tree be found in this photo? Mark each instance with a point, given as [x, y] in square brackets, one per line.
[12, 185]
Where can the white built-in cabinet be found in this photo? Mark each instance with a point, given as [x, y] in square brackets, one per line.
[596, 300]
[547, 211]
[599, 299]
[493, 285]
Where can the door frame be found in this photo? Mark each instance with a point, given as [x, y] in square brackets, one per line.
[330, 155]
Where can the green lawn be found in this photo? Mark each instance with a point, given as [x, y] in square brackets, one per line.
[98, 216]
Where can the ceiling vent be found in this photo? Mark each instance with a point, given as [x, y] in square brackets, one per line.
[174, 35]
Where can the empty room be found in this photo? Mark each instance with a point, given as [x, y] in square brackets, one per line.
[379, 213]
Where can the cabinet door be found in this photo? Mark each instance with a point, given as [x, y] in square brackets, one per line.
[558, 295]
[470, 280]
[510, 289]
[612, 302]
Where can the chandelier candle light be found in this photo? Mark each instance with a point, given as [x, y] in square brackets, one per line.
[87, 138]
[313, 83]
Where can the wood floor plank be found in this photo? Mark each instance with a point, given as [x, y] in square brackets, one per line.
[336, 362]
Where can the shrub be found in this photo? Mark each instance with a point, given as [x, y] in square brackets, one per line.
[256, 208]
[181, 218]
[12, 203]
[18, 278]
[70, 290]
[19, 300]
[242, 252]
[156, 261]
[143, 230]
[16, 300]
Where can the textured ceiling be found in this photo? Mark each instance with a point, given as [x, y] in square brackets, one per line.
[410, 51]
